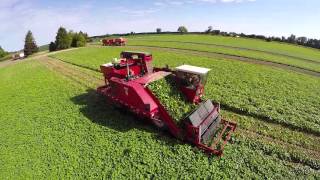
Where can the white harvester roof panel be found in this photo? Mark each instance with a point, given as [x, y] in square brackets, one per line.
[193, 69]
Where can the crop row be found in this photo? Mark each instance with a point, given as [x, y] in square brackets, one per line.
[274, 131]
[65, 131]
[231, 51]
[274, 95]
[273, 47]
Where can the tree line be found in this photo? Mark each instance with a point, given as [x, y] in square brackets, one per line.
[303, 41]
[65, 39]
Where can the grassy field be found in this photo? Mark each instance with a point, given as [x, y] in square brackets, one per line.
[254, 44]
[67, 131]
[54, 125]
[5, 58]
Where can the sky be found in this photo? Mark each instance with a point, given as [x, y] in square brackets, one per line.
[97, 17]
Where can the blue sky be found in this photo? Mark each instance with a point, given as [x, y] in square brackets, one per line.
[43, 17]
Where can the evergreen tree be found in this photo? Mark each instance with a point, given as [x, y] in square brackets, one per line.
[30, 45]
[63, 39]
[52, 46]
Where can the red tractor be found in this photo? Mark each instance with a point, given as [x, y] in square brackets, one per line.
[114, 42]
[126, 86]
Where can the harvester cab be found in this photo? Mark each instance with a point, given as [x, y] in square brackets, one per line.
[192, 80]
[126, 86]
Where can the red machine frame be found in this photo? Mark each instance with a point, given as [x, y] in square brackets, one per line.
[126, 86]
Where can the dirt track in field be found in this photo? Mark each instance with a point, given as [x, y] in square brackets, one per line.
[233, 57]
[238, 48]
[35, 56]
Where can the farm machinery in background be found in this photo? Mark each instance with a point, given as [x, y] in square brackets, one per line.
[126, 87]
[18, 56]
[114, 42]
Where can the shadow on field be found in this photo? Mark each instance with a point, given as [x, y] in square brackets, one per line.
[98, 110]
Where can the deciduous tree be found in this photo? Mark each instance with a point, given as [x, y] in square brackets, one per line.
[182, 29]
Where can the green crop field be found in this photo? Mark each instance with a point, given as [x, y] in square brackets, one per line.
[54, 125]
[263, 56]
[254, 44]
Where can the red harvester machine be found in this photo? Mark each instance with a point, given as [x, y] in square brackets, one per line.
[114, 42]
[126, 86]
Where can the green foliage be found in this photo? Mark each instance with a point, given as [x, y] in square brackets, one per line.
[30, 45]
[182, 29]
[78, 40]
[63, 39]
[171, 98]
